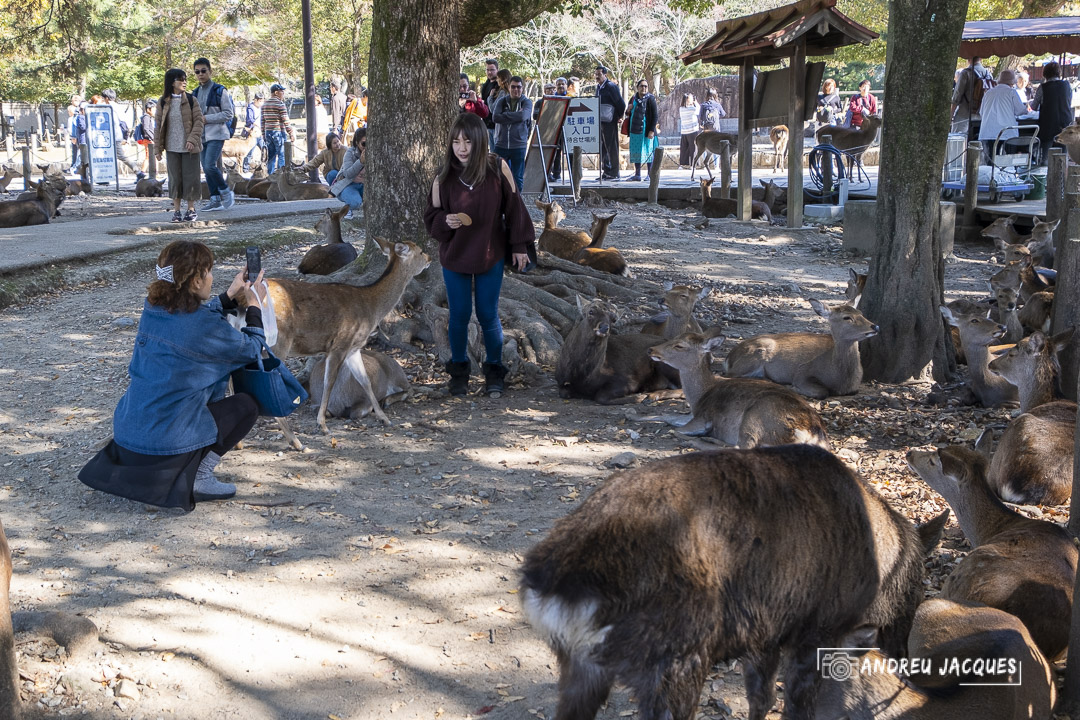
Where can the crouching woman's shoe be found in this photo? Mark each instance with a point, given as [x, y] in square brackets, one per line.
[494, 379]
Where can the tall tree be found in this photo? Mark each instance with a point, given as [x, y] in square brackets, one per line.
[906, 280]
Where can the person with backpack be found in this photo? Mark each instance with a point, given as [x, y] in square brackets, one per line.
[220, 116]
[972, 84]
[709, 116]
[143, 134]
[180, 120]
[120, 135]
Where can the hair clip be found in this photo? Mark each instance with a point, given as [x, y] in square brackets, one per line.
[165, 273]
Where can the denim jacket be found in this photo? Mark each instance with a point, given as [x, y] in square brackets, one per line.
[181, 362]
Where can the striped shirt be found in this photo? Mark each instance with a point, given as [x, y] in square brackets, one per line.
[275, 116]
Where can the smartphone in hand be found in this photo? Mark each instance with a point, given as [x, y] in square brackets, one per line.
[254, 263]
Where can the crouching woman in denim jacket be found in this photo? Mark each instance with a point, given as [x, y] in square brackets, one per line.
[174, 423]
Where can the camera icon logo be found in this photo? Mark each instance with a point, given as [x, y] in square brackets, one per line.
[838, 666]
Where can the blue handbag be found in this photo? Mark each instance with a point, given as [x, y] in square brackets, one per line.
[269, 381]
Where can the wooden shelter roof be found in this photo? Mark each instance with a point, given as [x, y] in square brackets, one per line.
[769, 35]
[1022, 36]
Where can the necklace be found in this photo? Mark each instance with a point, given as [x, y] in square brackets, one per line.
[467, 184]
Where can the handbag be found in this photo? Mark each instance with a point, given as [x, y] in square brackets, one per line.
[625, 128]
[267, 380]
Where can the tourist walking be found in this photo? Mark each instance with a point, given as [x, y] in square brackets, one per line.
[612, 107]
[275, 126]
[122, 154]
[218, 113]
[970, 86]
[180, 131]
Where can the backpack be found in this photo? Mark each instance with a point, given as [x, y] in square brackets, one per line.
[124, 130]
[979, 85]
[215, 101]
[137, 134]
[711, 118]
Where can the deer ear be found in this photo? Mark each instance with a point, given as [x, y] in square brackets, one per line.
[948, 315]
[401, 249]
[667, 283]
[1061, 340]
[704, 293]
[1053, 225]
[580, 305]
[819, 307]
[713, 343]
[985, 443]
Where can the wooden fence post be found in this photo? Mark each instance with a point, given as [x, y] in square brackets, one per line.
[654, 175]
[971, 188]
[1067, 292]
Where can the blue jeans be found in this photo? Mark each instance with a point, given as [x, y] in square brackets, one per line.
[515, 158]
[211, 154]
[275, 150]
[330, 175]
[459, 300]
[353, 195]
[259, 145]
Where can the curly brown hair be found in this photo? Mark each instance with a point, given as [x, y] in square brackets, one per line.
[190, 261]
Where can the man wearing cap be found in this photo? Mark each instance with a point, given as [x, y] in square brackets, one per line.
[275, 126]
[252, 123]
[218, 110]
[612, 107]
[122, 155]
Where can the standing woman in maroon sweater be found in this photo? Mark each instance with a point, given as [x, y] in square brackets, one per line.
[469, 200]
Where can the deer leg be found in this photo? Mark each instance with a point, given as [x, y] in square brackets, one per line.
[283, 426]
[330, 374]
[355, 362]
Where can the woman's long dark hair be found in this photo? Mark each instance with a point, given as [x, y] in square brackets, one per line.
[359, 135]
[480, 162]
[190, 260]
[171, 76]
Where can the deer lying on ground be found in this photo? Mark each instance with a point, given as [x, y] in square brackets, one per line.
[1034, 459]
[335, 253]
[670, 568]
[149, 188]
[738, 411]
[39, 210]
[240, 186]
[349, 399]
[707, 146]
[1003, 231]
[678, 308]
[1008, 315]
[977, 332]
[723, 207]
[1036, 313]
[608, 260]
[260, 189]
[852, 140]
[1070, 138]
[1041, 244]
[292, 186]
[565, 242]
[942, 633]
[74, 187]
[596, 364]
[817, 365]
[778, 136]
[774, 196]
[7, 177]
[337, 319]
[1022, 566]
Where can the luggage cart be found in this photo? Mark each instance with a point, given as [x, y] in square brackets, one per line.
[1010, 166]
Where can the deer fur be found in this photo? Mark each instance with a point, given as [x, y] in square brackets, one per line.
[723, 207]
[817, 365]
[707, 145]
[774, 196]
[1037, 311]
[149, 188]
[1033, 463]
[977, 332]
[1070, 138]
[944, 630]
[293, 186]
[677, 305]
[349, 399]
[1008, 315]
[261, 189]
[688, 561]
[74, 187]
[1041, 244]
[853, 140]
[337, 319]
[778, 136]
[741, 412]
[596, 364]
[335, 253]
[856, 284]
[1023, 566]
[39, 209]
[7, 177]
[1003, 232]
[608, 260]
[237, 148]
[565, 242]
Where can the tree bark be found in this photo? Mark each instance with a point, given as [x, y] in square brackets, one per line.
[906, 280]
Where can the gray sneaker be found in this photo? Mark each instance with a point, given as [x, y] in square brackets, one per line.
[228, 199]
[214, 204]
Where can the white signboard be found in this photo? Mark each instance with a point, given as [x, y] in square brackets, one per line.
[99, 138]
[581, 128]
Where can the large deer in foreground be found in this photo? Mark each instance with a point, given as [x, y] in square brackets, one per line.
[336, 319]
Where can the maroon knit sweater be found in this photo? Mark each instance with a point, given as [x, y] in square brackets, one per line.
[474, 249]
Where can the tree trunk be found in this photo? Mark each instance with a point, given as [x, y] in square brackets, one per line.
[906, 279]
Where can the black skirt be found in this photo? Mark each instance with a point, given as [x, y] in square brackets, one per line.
[162, 480]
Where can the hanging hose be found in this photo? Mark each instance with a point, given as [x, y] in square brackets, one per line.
[839, 160]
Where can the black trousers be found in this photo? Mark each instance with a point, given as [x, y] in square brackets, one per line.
[235, 416]
[609, 148]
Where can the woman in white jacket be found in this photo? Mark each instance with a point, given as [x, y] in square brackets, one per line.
[348, 186]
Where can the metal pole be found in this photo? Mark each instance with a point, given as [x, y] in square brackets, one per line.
[971, 188]
[309, 89]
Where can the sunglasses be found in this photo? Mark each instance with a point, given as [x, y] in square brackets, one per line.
[515, 87]
[363, 143]
[201, 72]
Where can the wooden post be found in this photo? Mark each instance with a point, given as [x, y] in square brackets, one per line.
[575, 172]
[84, 162]
[1057, 162]
[796, 112]
[746, 140]
[26, 165]
[654, 175]
[826, 172]
[151, 160]
[288, 153]
[1067, 292]
[971, 188]
[725, 169]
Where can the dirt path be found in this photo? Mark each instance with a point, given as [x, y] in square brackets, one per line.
[373, 576]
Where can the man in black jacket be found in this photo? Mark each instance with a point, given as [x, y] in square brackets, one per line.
[612, 107]
[491, 66]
